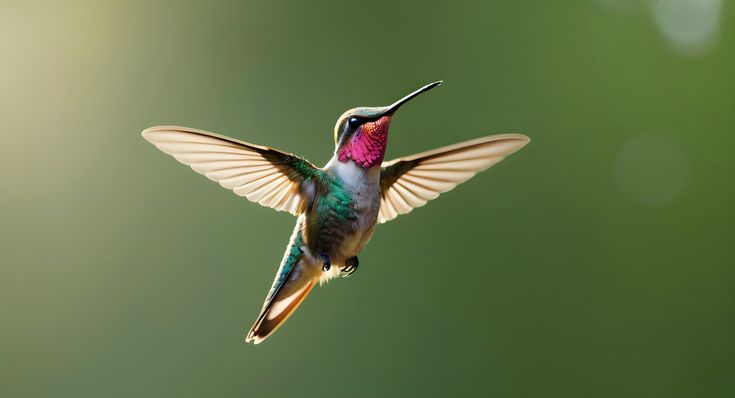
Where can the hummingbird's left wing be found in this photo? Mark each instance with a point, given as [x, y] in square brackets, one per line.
[410, 182]
[264, 175]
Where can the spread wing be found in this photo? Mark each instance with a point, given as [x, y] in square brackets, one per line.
[409, 182]
[263, 175]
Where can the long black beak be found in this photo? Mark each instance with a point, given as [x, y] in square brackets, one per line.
[409, 97]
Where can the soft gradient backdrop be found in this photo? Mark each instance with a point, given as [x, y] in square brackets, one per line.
[597, 262]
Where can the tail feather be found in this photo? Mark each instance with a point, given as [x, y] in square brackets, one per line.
[294, 280]
[277, 312]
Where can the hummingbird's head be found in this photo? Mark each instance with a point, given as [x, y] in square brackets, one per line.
[361, 134]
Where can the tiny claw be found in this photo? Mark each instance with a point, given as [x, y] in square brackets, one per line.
[350, 266]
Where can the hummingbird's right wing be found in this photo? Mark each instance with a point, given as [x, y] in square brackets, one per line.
[264, 175]
[410, 182]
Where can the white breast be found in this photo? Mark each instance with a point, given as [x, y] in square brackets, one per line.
[352, 174]
[364, 185]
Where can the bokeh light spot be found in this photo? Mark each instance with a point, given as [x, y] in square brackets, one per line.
[691, 26]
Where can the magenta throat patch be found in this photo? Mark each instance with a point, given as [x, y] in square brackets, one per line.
[367, 145]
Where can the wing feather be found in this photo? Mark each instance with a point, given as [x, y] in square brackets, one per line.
[410, 182]
[264, 175]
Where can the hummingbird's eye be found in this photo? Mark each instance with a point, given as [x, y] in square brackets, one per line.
[354, 122]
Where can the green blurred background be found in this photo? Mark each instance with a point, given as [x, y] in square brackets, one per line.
[596, 262]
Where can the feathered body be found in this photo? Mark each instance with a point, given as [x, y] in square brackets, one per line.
[337, 206]
[342, 224]
[341, 215]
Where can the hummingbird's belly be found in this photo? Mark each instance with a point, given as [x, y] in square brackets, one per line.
[350, 246]
[357, 232]
[353, 244]
[346, 237]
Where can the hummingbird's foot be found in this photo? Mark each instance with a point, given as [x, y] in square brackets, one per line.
[350, 266]
[326, 263]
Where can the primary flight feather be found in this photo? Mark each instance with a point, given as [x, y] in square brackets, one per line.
[338, 205]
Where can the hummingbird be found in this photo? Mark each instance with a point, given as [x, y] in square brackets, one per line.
[337, 206]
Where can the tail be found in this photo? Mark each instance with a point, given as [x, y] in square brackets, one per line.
[295, 278]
